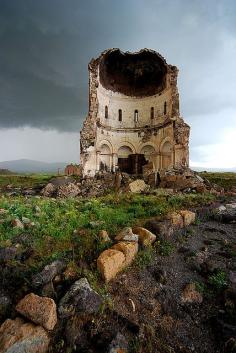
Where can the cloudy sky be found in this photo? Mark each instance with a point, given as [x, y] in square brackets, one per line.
[45, 47]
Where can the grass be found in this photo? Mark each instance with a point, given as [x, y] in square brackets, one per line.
[30, 180]
[225, 180]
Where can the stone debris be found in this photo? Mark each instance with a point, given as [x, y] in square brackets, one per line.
[48, 273]
[176, 219]
[80, 299]
[103, 235]
[48, 190]
[146, 238]
[129, 249]
[188, 217]
[138, 186]
[18, 336]
[68, 190]
[127, 234]
[110, 262]
[191, 295]
[40, 310]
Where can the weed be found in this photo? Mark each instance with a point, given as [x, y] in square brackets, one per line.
[145, 257]
[218, 281]
[164, 248]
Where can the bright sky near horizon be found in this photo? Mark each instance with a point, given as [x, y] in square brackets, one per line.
[46, 46]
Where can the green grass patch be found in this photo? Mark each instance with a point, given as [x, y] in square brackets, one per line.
[225, 180]
[30, 180]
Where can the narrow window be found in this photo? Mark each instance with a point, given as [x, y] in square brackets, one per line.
[120, 114]
[136, 116]
[152, 112]
[165, 105]
[106, 112]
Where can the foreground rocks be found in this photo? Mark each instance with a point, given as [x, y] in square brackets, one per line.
[110, 262]
[40, 310]
[18, 336]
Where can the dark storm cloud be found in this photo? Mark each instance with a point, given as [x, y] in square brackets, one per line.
[45, 47]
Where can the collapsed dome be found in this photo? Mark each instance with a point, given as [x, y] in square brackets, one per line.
[133, 74]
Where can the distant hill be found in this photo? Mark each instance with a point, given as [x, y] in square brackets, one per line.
[31, 166]
[5, 172]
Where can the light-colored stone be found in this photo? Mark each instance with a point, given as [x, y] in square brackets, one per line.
[176, 219]
[146, 237]
[188, 217]
[110, 262]
[191, 295]
[48, 190]
[103, 235]
[18, 336]
[129, 249]
[16, 223]
[126, 234]
[40, 310]
[138, 186]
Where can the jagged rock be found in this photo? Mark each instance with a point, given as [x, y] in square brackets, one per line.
[80, 299]
[145, 237]
[110, 262]
[119, 344]
[103, 235]
[17, 336]
[138, 186]
[16, 223]
[48, 273]
[225, 214]
[162, 229]
[191, 295]
[188, 217]
[68, 190]
[40, 310]
[126, 234]
[129, 249]
[48, 190]
[176, 219]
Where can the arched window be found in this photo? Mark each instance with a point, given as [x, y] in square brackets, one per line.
[106, 112]
[120, 115]
[136, 116]
[165, 106]
[152, 113]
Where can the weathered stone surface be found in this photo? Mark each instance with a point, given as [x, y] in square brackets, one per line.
[48, 190]
[138, 186]
[176, 219]
[17, 336]
[191, 295]
[127, 234]
[188, 217]
[129, 249]
[162, 229]
[48, 273]
[68, 190]
[40, 310]
[103, 235]
[110, 262]
[145, 237]
[80, 299]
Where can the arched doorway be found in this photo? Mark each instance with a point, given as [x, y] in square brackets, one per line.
[149, 153]
[105, 158]
[166, 155]
[123, 159]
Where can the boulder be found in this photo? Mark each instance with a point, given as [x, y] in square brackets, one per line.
[191, 295]
[176, 219]
[48, 190]
[48, 273]
[80, 299]
[110, 262]
[129, 249]
[17, 336]
[138, 186]
[126, 234]
[188, 217]
[68, 190]
[145, 237]
[163, 229]
[40, 310]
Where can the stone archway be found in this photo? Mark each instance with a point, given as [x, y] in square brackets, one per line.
[123, 159]
[105, 158]
[166, 155]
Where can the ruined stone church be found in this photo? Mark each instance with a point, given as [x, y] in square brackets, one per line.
[133, 116]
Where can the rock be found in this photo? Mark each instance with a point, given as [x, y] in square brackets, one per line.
[191, 295]
[3, 212]
[62, 180]
[40, 310]
[119, 344]
[8, 254]
[17, 336]
[145, 237]
[48, 273]
[103, 235]
[176, 219]
[48, 190]
[230, 206]
[138, 186]
[110, 262]
[26, 220]
[129, 249]
[80, 299]
[188, 217]
[16, 223]
[163, 229]
[127, 234]
[68, 190]
[5, 305]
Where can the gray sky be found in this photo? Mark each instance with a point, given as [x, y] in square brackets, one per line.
[46, 46]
